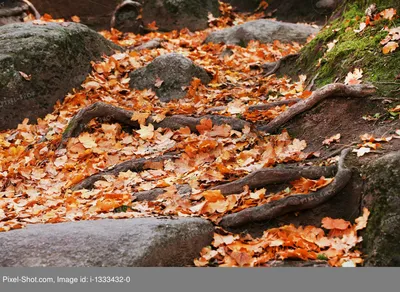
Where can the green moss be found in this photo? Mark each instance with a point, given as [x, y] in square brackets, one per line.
[352, 50]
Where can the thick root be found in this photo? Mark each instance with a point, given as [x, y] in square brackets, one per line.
[291, 203]
[135, 165]
[276, 175]
[151, 195]
[330, 90]
[109, 112]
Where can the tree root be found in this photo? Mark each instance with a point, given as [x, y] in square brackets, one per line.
[272, 68]
[330, 90]
[259, 107]
[135, 165]
[291, 203]
[183, 190]
[109, 112]
[276, 175]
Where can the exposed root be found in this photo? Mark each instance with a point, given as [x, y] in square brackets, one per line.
[32, 9]
[135, 165]
[276, 175]
[259, 107]
[109, 112]
[272, 68]
[291, 203]
[135, 5]
[330, 90]
[182, 190]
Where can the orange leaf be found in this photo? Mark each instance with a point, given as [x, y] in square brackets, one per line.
[390, 47]
[329, 223]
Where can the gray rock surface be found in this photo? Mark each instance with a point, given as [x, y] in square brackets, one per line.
[382, 197]
[141, 242]
[57, 58]
[178, 14]
[264, 31]
[175, 70]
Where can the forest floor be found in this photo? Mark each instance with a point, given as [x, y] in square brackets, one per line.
[39, 169]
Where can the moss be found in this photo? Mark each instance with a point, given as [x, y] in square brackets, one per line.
[352, 50]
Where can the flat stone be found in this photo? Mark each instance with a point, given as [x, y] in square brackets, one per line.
[140, 242]
[264, 31]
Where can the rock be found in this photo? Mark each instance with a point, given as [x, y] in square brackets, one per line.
[126, 17]
[174, 70]
[381, 241]
[52, 58]
[141, 242]
[178, 14]
[264, 31]
[96, 14]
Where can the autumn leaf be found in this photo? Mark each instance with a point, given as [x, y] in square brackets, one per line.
[140, 117]
[390, 47]
[152, 26]
[75, 19]
[205, 126]
[25, 76]
[87, 141]
[362, 151]
[329, 223]
[354, 77]
[389, 13]
[242, 258]
[158, 83]
[328, 141]
[146, 132]
[361, 222]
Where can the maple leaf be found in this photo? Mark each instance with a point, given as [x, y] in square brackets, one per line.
[354, 77]
[140, 117]
[335, 138]
[390, 47]
[329, 223]
[389, 13]
[362, 151]
[158, 82]
[87, 141]
[60, 161]
[361, 222]
[75, 19]
[146, 132]
[242, 258]
[205, 126]
[152, 26]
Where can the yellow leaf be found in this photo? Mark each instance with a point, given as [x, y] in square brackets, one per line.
[146, 132]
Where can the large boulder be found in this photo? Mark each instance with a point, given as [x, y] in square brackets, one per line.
[382, 197]
[178, 14]
[146, 242]
[167, 75]
[40, 64]
[264, 31]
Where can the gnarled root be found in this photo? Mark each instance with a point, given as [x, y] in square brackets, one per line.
[330, 90]
[291, 203]
[134, 165]
[276, 175]
[113, 113]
